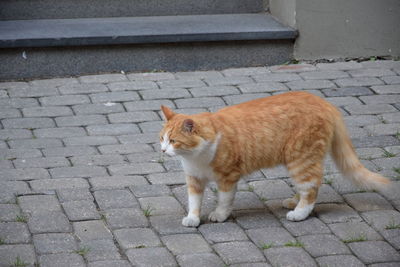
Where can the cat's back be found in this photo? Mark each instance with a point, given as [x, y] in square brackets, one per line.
[300, 102]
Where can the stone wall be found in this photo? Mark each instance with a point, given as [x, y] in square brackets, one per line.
[342, 28]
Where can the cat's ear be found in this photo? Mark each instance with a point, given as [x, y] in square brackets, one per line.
[188, 125]
[168, 113]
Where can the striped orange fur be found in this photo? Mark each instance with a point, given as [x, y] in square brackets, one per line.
[296, 129]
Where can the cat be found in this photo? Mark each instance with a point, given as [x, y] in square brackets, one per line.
[296, 129]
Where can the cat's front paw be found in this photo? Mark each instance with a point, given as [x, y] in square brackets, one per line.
[296, 216]
[218, 216]
[191, 221]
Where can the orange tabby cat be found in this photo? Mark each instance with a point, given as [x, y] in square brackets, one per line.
[295, 129]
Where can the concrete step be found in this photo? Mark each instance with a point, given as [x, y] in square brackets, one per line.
[64, 9]
[48, 48]
[139, 30]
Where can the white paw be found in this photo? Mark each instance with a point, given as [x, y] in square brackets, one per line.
[218, 216]
[191, 221]
[295, 216]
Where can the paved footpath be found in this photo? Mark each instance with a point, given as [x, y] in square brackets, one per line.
[82, 182]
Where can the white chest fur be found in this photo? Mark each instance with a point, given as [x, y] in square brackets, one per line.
[198, 163]
[201, 170]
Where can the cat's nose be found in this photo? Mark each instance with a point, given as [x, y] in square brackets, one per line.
[163, 150]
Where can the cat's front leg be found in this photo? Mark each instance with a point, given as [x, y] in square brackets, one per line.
[195, 195]
[226, 195]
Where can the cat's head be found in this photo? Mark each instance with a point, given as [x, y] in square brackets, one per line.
[184, 135]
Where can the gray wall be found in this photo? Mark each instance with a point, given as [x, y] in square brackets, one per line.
[284, 11]
[342, 28]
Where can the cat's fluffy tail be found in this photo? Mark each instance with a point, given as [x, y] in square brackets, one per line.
[349, 164]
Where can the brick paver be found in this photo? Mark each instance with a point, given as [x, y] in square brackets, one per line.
[82, 182]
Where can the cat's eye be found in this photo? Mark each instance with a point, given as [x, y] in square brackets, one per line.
[172, 141]
[162, 138]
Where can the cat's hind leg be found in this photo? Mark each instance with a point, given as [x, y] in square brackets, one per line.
[307, 179]
[308, 196]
